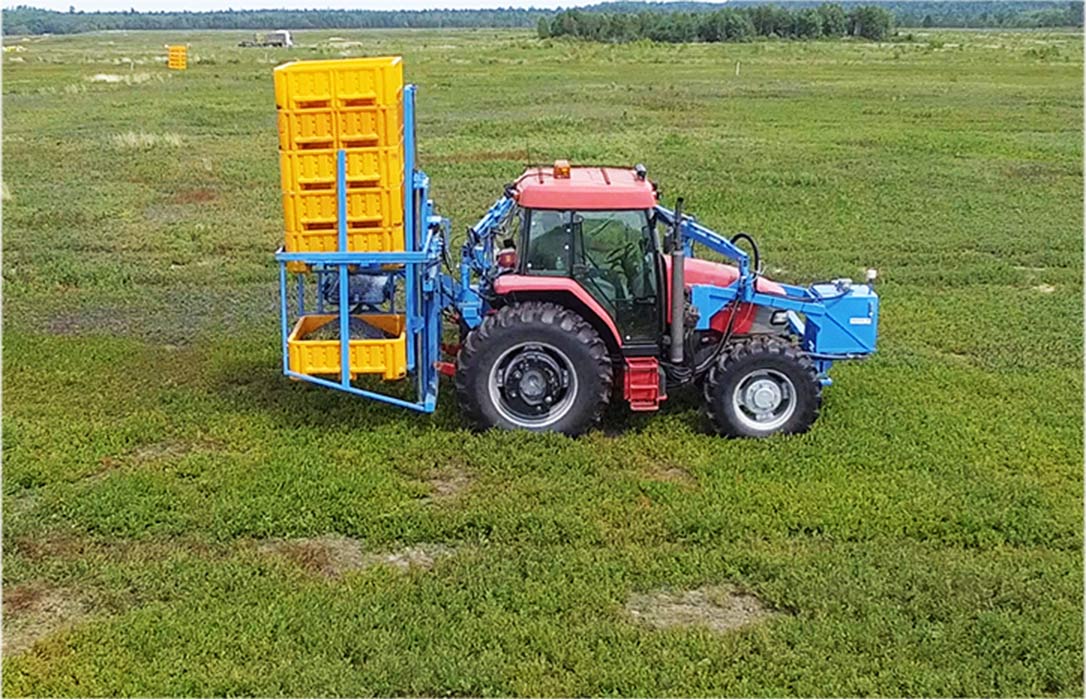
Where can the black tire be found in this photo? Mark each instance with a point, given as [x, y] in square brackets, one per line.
[732, 389]
[565, 353]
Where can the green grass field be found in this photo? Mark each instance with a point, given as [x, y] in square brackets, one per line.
[180, 519]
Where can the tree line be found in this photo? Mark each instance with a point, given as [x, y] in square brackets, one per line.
[728, 24]
[614, 21]
[31, 20]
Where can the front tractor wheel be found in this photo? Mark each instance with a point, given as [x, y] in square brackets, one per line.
[534, 366]
[762, 386]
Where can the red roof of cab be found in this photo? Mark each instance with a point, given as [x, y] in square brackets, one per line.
[587, 188]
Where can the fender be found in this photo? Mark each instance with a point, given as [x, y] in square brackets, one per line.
[514, 283]
[698, 271]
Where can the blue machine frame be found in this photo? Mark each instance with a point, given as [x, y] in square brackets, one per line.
[840, 319]
[417, 266]
[834, 320]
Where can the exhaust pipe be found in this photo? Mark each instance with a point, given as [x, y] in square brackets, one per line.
[678, 290]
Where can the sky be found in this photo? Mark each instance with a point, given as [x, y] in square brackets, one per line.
[204, 5]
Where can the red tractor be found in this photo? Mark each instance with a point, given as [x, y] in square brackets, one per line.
[580, 302]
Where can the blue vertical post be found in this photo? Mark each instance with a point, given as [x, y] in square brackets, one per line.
[411, 274]
[409, 167]
[283, 314]
[344, 312]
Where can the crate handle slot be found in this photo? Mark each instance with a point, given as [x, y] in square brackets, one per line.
[364, 182]
[361, 141]
[368, 101]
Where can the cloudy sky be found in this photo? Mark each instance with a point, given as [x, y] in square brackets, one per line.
[201, 5]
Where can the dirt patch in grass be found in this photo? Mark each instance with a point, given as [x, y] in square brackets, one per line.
[64, 544]
[671, 474]
[164, 452]
[202, 195]
[51, 545]
[422, 556]
[22, 503]
[718, 609]
[1044, 288]
[103, 320]
[173, 319]
[126, 79]
[333, 556]
[448, 484]
[169, 450]
[34, 611]
[140, 140]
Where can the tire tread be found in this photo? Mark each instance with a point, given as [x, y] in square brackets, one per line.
[748, 348]
[527, 314]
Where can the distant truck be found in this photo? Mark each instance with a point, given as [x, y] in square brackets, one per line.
[280, 38]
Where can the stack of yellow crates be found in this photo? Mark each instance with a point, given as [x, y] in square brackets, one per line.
[177, 57]
[355, 105]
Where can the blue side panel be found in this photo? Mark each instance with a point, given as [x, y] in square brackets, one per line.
[849, 324]
[839, 321]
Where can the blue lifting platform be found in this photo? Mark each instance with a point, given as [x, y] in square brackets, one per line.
[336, 277]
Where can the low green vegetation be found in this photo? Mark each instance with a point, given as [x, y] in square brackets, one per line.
[180, 519]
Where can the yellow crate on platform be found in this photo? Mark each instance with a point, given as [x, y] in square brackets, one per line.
[356, 127]
[177, 57]
[387, 357]
[339, 84]
[314, 209]
[308, 170]
[359, 239]
[360, 126]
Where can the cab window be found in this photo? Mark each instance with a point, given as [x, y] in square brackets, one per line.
[611, 253]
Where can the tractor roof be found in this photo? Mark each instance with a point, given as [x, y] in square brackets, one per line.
[584, 188]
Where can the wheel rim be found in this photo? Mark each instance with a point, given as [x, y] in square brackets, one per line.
[533, 385]
[764, 400]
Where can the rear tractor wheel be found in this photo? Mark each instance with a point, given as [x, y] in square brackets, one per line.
[762, 386]
[534, 366]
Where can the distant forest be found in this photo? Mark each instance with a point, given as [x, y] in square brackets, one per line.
[629, 19]
[827, 21]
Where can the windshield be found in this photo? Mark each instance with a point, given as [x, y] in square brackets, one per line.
[560, 240]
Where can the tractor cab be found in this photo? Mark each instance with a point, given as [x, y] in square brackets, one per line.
[595, 226]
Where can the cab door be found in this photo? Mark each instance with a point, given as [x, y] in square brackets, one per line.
[613, 256]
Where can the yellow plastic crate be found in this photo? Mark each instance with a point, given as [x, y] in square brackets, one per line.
[356, 127]
[363, 125]
[359, 239]
[308, 170]
[314, 209]
[322, 357]
[337, 84]
[177, 57]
